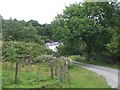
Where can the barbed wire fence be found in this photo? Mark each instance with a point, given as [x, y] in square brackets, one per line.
[59, 66]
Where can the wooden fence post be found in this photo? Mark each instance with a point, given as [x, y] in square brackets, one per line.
[38, 71]
[61, 74]
[56, 71]
[16, 72]
[51, 65]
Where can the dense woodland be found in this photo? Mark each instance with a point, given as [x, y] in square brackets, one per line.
[91, 30]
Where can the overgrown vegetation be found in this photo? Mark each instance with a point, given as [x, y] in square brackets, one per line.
[87, 29]
[13, 49]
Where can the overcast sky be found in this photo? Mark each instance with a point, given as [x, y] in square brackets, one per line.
[41, 10]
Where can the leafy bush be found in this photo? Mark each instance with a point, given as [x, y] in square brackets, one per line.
[76, 57]
[12, 49]
[43, 58]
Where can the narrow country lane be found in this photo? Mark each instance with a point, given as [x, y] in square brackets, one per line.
[109, 74]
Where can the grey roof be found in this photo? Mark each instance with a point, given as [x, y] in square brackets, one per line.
[52, 44]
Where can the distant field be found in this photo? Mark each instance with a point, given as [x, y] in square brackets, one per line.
[77, 78]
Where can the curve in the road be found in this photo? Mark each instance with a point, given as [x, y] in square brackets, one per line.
[110, 75]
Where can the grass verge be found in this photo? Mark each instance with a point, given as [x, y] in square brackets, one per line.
[82, 78]
[100, 63]
[77, 77]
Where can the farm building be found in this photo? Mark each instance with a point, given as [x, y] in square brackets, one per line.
[52, 45]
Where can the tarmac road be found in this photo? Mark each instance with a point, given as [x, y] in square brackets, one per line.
[109, 74]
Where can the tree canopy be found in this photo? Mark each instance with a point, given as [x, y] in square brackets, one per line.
[89, 28]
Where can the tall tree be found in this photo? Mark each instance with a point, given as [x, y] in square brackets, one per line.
[86, 23]
[20, 31]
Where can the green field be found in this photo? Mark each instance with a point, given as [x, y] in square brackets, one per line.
[77, 78]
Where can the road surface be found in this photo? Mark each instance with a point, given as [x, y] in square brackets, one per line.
[109, 74]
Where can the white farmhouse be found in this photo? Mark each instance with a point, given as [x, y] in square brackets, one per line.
[52, 45]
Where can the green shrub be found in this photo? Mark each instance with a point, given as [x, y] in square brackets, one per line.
[12, 49]
[76, 57]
